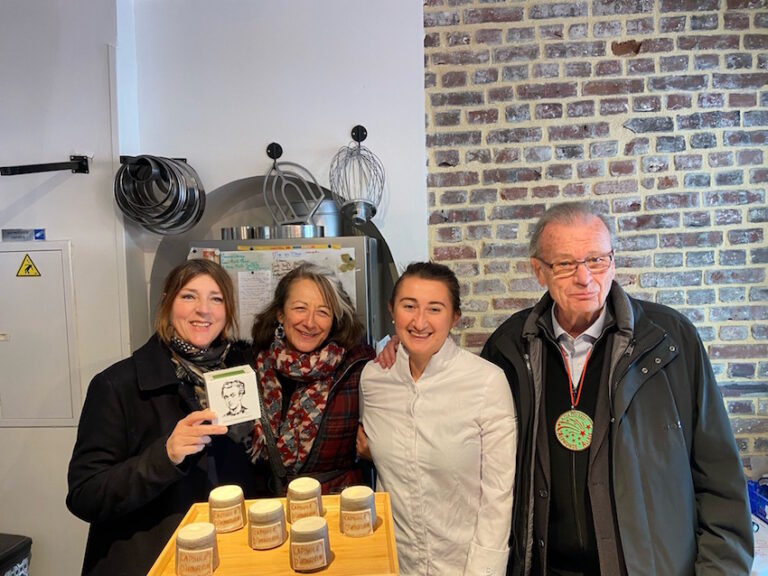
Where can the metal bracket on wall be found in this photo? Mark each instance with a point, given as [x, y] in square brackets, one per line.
[77, 164]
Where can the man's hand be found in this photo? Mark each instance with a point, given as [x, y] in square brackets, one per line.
[190, 435]
[386, 358]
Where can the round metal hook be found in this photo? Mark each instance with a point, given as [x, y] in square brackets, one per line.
[274, 150]
[359, 133]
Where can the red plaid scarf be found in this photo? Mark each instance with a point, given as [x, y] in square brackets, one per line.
[314, 372]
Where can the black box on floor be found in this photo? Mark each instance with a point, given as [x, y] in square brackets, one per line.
[14, 554]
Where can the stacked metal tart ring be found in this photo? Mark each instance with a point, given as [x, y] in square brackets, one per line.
[163, 195]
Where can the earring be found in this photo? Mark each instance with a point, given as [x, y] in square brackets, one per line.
[279, 331]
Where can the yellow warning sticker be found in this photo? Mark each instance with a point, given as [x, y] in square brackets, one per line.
[27, 267]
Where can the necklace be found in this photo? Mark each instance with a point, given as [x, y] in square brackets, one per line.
[573, 429]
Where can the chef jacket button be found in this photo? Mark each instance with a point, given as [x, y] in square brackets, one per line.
[657, 360]
[644, 370]
[541, 543]
[543, 493]
[672, 348]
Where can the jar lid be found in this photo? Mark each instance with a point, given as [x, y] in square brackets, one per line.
[310, 528]
[265, 511]
[304, 488]
[196, 535]
[223, 496]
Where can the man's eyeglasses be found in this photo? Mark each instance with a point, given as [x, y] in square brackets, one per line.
[565, 268]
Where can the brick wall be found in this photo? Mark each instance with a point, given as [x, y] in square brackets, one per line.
[658, 109]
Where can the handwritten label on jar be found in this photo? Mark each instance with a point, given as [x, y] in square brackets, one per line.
[308, 555]
[266, 536]
[227, 519]
[194, 562]
[356, 523]
[304, 508]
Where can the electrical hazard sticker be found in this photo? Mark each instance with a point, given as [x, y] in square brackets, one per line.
[27, 268]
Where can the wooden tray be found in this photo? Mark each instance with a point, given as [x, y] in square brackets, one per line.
[373, 555]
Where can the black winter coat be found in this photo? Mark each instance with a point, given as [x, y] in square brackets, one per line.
[120, 477]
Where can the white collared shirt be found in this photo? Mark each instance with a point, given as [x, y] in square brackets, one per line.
[444, 448]
[577, 349]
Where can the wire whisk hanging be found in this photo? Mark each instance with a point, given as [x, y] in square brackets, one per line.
[357, 179]
[287, 180]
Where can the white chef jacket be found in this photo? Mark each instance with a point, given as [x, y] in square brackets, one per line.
[444, 448]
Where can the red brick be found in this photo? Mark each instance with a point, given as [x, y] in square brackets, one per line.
[655, 45]
[546, 70]
[432, 40]
[448, 233]
[735, 21]
[608, 68]
[740, 81]
[458, 39]
[505, 175]
[490, 116]
[482, 15]
[446, 179]
[616, 187]
[514, 193]
[622, 168]
[610, 87]
[551, 191]
[489, 36]
[688, 5]
[578, 131]
[561, 10]
[446, 158]
[712, 42]
[461, 57]
[454, 79]
[453, 253]
[456, 98]
[549, 91]
[451, 118]
[678, 101]
[506, 155]
[666, 182]
[432, 19]
[742, 100]
[453, 139]
[575, 49]
[457, 215]
[755, 41]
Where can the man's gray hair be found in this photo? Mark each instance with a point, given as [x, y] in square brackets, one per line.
[568, 212]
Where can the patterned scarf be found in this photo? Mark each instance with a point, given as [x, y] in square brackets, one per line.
[296, 433]
[191, 363]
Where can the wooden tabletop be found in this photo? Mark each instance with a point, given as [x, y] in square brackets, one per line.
[373, 555]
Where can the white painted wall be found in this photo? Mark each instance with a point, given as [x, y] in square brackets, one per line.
[219, 81]
[215, 82]
[55, 100]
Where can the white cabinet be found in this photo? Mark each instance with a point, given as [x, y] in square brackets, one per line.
[39, 372]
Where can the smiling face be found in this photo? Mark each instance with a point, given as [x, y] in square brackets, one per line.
[579, 298]
[198, 314]
[424, 315]
[306, 317]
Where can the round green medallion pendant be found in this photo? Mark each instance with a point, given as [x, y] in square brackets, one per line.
[573, 430]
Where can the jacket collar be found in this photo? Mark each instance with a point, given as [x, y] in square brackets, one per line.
[442, 359]
[154, 367]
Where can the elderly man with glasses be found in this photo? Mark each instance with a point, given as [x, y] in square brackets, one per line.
[626, 461]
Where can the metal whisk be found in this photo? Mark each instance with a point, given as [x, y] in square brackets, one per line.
[357, 179]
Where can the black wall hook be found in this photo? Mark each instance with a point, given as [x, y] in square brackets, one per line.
[359, 133]
[274, 150]
[77, 164]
